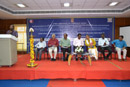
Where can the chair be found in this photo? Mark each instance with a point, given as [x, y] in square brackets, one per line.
[100, 53]
[57, 57]
[85, 50]
[74, 56]
[115, 52]
[45, 52]
[98, 49]
[61, 52]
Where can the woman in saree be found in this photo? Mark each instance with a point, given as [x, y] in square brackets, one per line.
[91, 44]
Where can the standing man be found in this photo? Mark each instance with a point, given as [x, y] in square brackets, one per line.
[65, 46]
[40, 46]
[53, 44]
[120, 45]
[12, 31]
[104, 43]
[78, 42]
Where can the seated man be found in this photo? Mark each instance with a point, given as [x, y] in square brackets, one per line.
[120, 45]
[40, 46]
[12, 31]
[65, 46]
[104, 43]
[53, 44]
[78, 42]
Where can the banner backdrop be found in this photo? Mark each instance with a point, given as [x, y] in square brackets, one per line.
[72, 26]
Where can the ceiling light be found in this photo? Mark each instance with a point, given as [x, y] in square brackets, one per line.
[21, 5]
[113, 3]
[66, 4]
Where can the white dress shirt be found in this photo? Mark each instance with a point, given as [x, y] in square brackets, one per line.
[78, 42]
[101, 42]
[41, 44]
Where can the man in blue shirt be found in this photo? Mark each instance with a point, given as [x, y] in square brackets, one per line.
[120, 45]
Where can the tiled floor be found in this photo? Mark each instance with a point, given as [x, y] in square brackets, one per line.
[64, 83]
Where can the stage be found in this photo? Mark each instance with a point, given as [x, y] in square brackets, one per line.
[46, 69]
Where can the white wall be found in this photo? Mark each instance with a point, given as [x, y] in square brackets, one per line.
[125, 31]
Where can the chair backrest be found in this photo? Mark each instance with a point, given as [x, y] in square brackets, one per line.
[113, 48]
[46, 49]
[62, 51]
[99, 48]
[87, 49]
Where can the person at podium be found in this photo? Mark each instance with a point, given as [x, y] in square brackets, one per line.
[12, 31]
[40, 46]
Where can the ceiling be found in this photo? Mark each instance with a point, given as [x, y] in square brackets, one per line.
[54, 8]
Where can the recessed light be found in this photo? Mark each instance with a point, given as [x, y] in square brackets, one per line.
[113, 3]
[21, 5]
[66, 4]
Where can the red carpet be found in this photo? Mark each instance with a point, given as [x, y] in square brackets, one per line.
[47, 69]
[78, 83]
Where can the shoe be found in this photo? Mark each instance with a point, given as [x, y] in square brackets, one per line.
[54, 59]
[120, 60]
[64, 60]
[94, 59]
[105, 59]
[36, 59]
[76, 59]
[51, 59]
[81, 59]
[124, 60]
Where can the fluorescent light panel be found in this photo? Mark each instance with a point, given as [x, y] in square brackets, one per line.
[21, 5]
[113, 3]
[66, 4]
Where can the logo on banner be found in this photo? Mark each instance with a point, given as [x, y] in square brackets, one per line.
[31, 21]
[109, 19]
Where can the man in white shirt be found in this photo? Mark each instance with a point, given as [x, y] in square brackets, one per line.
[40, 46]
[78, 42]
[104, 44]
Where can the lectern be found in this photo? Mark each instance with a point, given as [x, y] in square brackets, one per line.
[8, 50]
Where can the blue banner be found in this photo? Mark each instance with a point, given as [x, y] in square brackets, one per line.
[72, 26]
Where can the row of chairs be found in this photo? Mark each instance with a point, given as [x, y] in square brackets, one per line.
[59, 53]
[114, 52]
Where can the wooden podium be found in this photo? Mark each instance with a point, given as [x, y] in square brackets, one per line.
[8, 50]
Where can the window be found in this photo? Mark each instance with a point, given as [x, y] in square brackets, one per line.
[22, 37]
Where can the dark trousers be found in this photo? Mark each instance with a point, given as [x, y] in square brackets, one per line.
[109, 51]
[39, 50]
[65, 50]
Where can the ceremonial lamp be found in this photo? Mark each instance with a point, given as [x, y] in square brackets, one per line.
[31, 50]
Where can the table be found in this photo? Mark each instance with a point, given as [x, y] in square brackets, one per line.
[78, 54]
